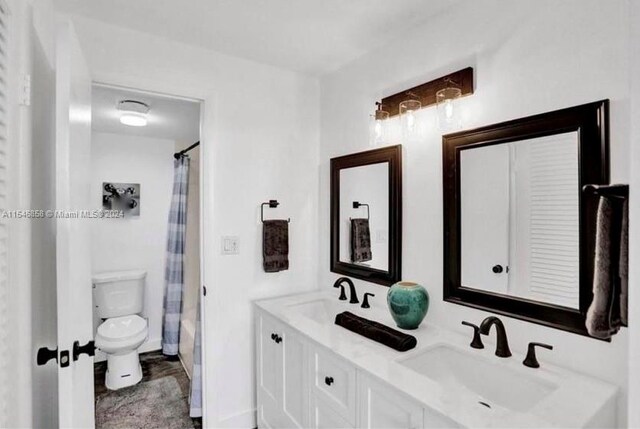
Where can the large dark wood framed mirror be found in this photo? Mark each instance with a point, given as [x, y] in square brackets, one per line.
[366, 215]
[519, 235]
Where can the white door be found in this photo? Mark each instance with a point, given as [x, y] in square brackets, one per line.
[484, 200]
[73, 139]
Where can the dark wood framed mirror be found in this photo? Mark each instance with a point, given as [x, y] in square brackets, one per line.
[366, 215]
[519, 233]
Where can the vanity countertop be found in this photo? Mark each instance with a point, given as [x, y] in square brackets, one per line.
[574, 401]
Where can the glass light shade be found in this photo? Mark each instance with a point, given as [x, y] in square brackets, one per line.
[448, 114]
[379, 127]
[133, 119]
[408, 119]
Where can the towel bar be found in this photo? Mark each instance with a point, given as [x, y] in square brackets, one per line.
[616, 190]
[272, 204]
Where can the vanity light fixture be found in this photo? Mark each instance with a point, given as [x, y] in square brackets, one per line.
[448, 115]
[133, 113]
[379, 132]
[443, 92]
[408, 121]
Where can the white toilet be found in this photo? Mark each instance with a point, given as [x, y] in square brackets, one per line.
[118, 298]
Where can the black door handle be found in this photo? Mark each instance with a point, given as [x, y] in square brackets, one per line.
[328, 381]
[45, 355]
[89, 349]
[497, 269]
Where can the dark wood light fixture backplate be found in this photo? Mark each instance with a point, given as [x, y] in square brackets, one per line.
[426, 92]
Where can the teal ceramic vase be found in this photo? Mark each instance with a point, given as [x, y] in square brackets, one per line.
[408, 303]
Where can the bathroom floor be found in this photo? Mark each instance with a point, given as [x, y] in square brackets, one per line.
[160, 400]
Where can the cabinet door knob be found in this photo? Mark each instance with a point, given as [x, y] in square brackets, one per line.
[328, 381]
[273, 337]
[497, 269]
[278, 339]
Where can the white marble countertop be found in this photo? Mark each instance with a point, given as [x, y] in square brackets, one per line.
[573, 404]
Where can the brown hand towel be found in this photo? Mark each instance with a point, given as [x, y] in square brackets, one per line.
[608, 308]
[376, 331]
[360, 240]
[275, 245]
[623, 269]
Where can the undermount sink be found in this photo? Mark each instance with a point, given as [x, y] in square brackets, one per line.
[489, 383]
[319, 310]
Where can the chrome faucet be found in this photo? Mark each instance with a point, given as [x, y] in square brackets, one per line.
[502, 344]
[352, 289]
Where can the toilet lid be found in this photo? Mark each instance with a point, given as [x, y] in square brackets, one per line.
[120, 328]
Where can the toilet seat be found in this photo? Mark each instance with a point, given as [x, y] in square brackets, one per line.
[119, 334]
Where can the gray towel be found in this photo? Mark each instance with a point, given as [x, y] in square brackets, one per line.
[360, 240]
[608, 310]
[275, 245]
[623, 270]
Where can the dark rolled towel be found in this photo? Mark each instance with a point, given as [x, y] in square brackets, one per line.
[376, 331]
[360, 240]
[275, 245]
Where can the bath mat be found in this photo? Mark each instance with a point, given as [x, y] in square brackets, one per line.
[157, 403]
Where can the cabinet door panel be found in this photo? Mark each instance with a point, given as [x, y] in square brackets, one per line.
[269, 358]
[334, 380]
[382, 407]
[325, 417]
[269, 374]
[295, 393]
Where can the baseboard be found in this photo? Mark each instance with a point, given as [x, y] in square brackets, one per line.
[244, 420]
[147, 346]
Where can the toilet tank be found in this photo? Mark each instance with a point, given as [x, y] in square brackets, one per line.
[118, 293]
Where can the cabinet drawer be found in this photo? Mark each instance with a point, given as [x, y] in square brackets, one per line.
[322, 416]
[334, 381]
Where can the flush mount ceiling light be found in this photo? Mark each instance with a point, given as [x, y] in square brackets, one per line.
[133, 113]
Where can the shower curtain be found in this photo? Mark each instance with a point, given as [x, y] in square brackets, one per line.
[174, 283]
[195, 393]
[174, 269]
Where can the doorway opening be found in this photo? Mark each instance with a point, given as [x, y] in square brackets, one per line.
[146, 258]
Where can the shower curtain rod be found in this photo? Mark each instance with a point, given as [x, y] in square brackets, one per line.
[177, 155]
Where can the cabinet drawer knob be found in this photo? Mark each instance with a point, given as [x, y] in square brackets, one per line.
[328, 381]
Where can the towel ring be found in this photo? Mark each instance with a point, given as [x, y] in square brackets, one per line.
[357, 205]
[272, 205]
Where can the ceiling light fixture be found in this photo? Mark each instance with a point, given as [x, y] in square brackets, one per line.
[133, 113]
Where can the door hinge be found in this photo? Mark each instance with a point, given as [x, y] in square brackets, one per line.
[24, 94]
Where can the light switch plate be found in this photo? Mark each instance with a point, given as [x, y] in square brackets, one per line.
[230, 245]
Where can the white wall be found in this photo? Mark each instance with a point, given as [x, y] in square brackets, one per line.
[634, 217]
[134, 243]
[367, 185]
[260, 140]
[528, 57]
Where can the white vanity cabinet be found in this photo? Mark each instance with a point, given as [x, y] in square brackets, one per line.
[383, 407]
[301, 384]
[281, 375]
